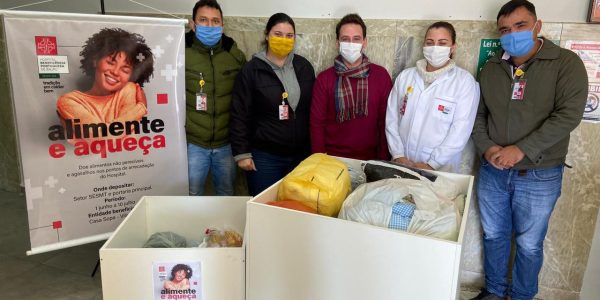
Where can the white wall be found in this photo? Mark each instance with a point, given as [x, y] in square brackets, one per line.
[548, 10]
[70, 6]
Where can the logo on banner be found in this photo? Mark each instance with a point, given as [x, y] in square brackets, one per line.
[46, 45]
[50, 64]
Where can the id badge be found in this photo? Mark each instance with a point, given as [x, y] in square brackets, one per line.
[518, 89]
[283, 112]
[201, 101]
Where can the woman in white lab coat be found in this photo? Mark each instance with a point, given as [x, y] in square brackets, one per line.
[432, 107]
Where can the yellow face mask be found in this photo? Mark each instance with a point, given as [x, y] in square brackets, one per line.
[281, 46]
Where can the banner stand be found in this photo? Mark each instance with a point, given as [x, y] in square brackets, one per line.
[99, 107]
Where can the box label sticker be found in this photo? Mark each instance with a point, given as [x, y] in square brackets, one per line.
[177, 280]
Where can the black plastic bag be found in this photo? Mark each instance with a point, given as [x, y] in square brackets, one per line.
[379, 169]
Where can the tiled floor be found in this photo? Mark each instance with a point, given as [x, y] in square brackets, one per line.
[62, 274]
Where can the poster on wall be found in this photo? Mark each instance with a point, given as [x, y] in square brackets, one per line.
[177, 280]
[589, 52]
[100, 114]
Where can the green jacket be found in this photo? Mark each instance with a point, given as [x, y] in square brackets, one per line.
[554, 99]
[219, 66]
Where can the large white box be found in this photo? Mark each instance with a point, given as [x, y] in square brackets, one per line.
[294, 255]
[127, 269]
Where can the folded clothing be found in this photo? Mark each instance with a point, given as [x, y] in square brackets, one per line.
[402, 213]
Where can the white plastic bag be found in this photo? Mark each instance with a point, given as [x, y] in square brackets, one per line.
[443, 223]
[372, 203]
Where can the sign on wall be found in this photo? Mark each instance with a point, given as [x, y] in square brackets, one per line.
[487, 49]
[100, 117]
[589, 52]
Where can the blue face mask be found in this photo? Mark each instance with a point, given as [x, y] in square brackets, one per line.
[518, 43]
[209, 35]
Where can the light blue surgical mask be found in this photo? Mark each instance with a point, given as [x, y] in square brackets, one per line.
[209, 35]
[518, 43]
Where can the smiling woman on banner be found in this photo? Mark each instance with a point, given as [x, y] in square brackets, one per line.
[180, 278]
[270, 108]
[432, 107]
[120, 62]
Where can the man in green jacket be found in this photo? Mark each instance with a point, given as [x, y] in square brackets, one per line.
[212, 61]
[532, 96]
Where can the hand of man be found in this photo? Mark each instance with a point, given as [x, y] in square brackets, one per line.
[423, 166]
[490, 155]
[404, 161]
[508, 157]
[246, 164]
[191, 25]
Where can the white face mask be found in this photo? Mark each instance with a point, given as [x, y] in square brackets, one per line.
[351, 52]
[436, 56]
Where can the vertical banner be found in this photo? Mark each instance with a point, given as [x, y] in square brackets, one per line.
[100, 112]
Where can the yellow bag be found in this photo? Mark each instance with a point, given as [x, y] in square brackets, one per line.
[320, 182]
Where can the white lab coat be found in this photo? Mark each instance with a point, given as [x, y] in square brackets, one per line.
[437, 120]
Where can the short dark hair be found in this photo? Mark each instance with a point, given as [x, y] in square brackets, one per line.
[179, 267]
[111, 41]
[350, 19]
[279, 18]
[510, 6]
[445, 25]
[210, 3]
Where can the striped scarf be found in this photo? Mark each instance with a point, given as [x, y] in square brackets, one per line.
[346, 105]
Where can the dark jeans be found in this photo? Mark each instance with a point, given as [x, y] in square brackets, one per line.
[270, 168]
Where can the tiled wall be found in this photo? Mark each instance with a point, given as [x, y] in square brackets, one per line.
[396, 44]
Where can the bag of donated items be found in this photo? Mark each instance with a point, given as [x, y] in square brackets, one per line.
[165, 239]
[416, 206]
[320, 182]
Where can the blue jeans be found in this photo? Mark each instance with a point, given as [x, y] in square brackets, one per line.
[519, 202]
[270, 168]
[220, 163]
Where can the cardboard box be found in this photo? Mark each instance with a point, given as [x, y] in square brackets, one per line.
[294, 255]
[129, 271]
